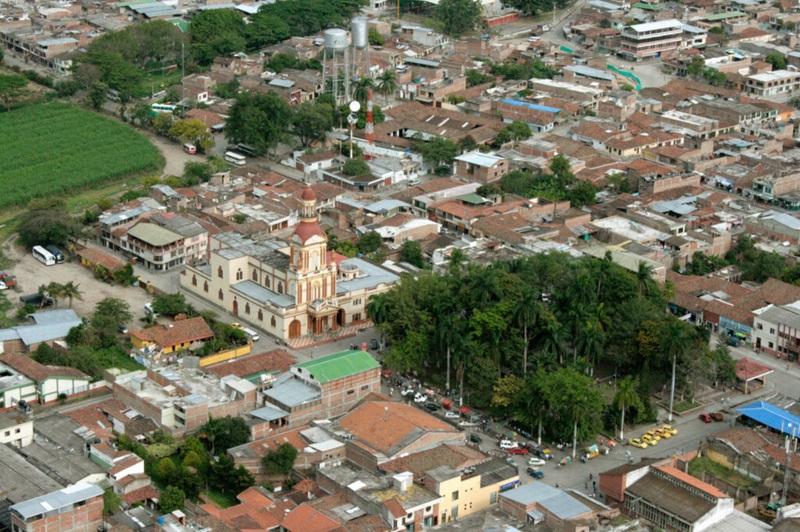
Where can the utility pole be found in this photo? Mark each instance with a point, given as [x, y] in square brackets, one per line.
[554, 15]
[183, 71]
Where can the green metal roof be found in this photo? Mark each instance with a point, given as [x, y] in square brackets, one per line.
[473, 199]
[338, 365]
[648, 7]
[724, 16]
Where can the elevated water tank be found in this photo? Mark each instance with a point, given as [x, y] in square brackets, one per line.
[335, 39]
[358, 27]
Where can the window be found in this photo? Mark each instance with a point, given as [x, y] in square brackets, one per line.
[350, 392]
[219, 295]
[771, 330]
[266, 282]
[454, 496]
[280, 287]
[356, 317]
[205, 286]
[17, 431]
[356, 302]
[219, 272]
[272, 321]
[247, 308]
[239, 274]
[7, 433]
[260, 315]
[255, 275]
[493, 497]
[365, 387]
[194, 280]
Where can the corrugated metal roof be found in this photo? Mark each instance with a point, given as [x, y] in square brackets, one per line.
[263, 295]
[56, 500]
[552, 499]
[772, 416]
[293, 392]
[590, 72]
[533, 106]
[285, 83]
[153, 234]
[268, 413]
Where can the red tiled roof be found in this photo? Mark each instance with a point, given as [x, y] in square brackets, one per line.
[142, 494]
[694, 482]
[304, 518]
[100, 258]
[395, 508]
[747, 369]
[176, 333]
[38, 372]
[277, 360]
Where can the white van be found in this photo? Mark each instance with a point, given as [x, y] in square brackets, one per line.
[507, 444]
[148, 309]
[251, 333]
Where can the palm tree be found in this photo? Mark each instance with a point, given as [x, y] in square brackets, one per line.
[387, 84]
[71, 291]
[361, 90]
[448, 333]
[590, 343]
[625, 398]
[526, 308]
[644, 278]
[484, 285]
[675, 343]
[552, 336]
[378, 310]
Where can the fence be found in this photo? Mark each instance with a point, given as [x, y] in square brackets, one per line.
[626, 74]
[224, 356]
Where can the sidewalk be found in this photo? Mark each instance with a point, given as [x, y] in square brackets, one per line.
[307, 342]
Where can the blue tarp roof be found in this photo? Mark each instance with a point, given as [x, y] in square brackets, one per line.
[533, 106]
[772, 416]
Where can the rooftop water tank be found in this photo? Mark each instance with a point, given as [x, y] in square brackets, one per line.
[335, 39]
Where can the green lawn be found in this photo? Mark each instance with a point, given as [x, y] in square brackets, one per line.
[685, 406]
[61, 149]
[698, 465]
[222, 500]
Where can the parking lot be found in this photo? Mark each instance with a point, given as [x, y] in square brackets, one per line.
[31, 274]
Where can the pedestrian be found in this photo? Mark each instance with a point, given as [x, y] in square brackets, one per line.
[586, 485]
[590, 476]
[556, 484]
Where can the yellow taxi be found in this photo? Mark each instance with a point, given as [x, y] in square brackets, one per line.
[663, 433]
[670, 429]
[653, 434]
[649, 440]
[636, 442]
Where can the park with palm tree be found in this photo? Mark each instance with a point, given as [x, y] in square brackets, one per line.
[566, 347]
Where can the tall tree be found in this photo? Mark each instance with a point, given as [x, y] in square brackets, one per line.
[71, 291]
[459, 16]
[625, 399]
[217, 32]
[675, 343]
[260, 120]
[387, 84]
[311, 121]
[526, 309]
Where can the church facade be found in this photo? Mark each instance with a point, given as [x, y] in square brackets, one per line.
[287, 290]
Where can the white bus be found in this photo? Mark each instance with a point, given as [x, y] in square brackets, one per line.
[43, 256]
[163, 108]
[235, 158]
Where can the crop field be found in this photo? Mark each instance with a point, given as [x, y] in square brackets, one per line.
[60, 149]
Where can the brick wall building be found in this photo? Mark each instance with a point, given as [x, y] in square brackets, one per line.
[77, 508]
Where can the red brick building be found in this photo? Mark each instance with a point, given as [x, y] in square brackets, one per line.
[77, 508]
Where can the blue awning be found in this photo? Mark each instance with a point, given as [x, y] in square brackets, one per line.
[772, 416]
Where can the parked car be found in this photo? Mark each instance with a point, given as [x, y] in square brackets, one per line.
[535, 461]
[37, 300]
[433, 407]
[670, 429]
[123, 329]
[543, 452]
[474, 438]
[535, 473]
[452, 415]
[420, 398]
[662, 433]
[408, 392]
[373, 344]
[706, 418]
[717, 416]
[649, 440]
[507, 444]
[653, 434]
[636, 442]
[518, 450]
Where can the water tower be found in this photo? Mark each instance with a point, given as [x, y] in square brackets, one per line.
[360, 32]
[336, 64]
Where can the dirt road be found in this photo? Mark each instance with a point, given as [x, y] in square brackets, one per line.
[31, 274]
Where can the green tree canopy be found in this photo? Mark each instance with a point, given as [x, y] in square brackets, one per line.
[280, 460]
[47, 222]
[171, 499]
[259, 120]
[439, 151]
[217, 32]
[220, 434]
[459, 16]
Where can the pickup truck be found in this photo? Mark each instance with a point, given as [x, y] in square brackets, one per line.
[7, 281]
[37, 300]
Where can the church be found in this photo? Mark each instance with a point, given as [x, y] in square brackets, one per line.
[289, 291]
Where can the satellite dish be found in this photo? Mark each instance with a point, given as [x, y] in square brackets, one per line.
[355, 106]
